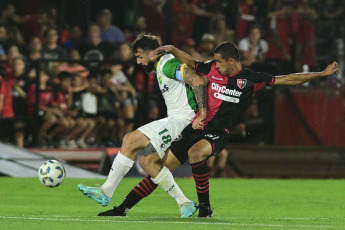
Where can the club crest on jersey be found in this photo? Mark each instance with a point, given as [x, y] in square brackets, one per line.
[241, 83]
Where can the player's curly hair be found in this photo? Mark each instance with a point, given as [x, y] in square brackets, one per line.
[145, 42]
[228, 50]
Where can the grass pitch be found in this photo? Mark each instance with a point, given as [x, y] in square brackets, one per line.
[237, 204]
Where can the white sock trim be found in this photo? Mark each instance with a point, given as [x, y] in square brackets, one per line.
[124, 160]
[161, 175]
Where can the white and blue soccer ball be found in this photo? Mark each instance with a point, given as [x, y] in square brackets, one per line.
[51, 173]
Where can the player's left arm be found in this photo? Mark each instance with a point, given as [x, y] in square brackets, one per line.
[300, 78]
[199, 84]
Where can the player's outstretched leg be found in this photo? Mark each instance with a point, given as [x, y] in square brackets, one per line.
[162, 176]
[121, 165]
[95, 193]
[142, 190]
[166, 181]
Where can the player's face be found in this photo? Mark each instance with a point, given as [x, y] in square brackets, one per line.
[222, 65]
[143, 59]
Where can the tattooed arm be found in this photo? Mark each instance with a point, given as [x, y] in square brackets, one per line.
[199, 84]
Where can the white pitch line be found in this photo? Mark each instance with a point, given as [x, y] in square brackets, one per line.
[214, 217]
[170, 222]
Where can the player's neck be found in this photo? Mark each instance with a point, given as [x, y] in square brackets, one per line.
[236, 68]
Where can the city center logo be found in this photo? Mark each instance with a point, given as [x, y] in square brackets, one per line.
[241, 83]
[222, 89]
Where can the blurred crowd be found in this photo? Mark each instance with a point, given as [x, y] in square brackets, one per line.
[76, 87]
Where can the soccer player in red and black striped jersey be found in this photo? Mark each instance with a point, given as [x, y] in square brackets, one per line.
[229, 86]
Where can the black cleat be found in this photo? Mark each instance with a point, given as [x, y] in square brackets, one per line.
[205, 211]
[116, 211]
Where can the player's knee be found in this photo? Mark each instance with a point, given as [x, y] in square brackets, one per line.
[195, 156]
[148, 162]
[130, 140]
[144, 162]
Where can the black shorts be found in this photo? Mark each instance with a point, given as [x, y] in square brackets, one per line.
[190, 136]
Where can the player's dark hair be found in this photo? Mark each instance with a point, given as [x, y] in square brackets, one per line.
[145, 42]
[228, 50]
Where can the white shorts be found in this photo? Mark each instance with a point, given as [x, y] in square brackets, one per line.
[162, 132]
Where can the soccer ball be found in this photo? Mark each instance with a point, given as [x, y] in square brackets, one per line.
[51, 173]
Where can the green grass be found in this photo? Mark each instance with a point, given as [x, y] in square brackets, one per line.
[237, 204]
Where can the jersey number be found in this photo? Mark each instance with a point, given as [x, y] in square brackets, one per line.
[166, 139]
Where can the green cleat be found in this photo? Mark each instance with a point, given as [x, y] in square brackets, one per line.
[95, 193]
[187, 209]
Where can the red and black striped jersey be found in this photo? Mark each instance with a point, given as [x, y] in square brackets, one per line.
[227, 93]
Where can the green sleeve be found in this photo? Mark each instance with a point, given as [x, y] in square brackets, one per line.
[169, 69]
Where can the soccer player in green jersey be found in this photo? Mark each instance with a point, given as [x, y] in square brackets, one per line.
[184, 91]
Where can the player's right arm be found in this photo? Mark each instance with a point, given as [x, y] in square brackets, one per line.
[199, 85]
[180, 55]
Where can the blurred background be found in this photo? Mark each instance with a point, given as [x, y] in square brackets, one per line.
[91, 92]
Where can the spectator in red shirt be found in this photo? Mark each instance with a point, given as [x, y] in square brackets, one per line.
[283, 25]
[305, 37]
[36, 24]
[48, 114]
[183, 20]
[77, 126]
[153, 12]
[246, 17]
[6, 105]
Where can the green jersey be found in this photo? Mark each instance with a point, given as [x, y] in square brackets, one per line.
[179, 97]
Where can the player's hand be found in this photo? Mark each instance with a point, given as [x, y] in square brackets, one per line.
[198, 123]
[331, 69]
[157, 53]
